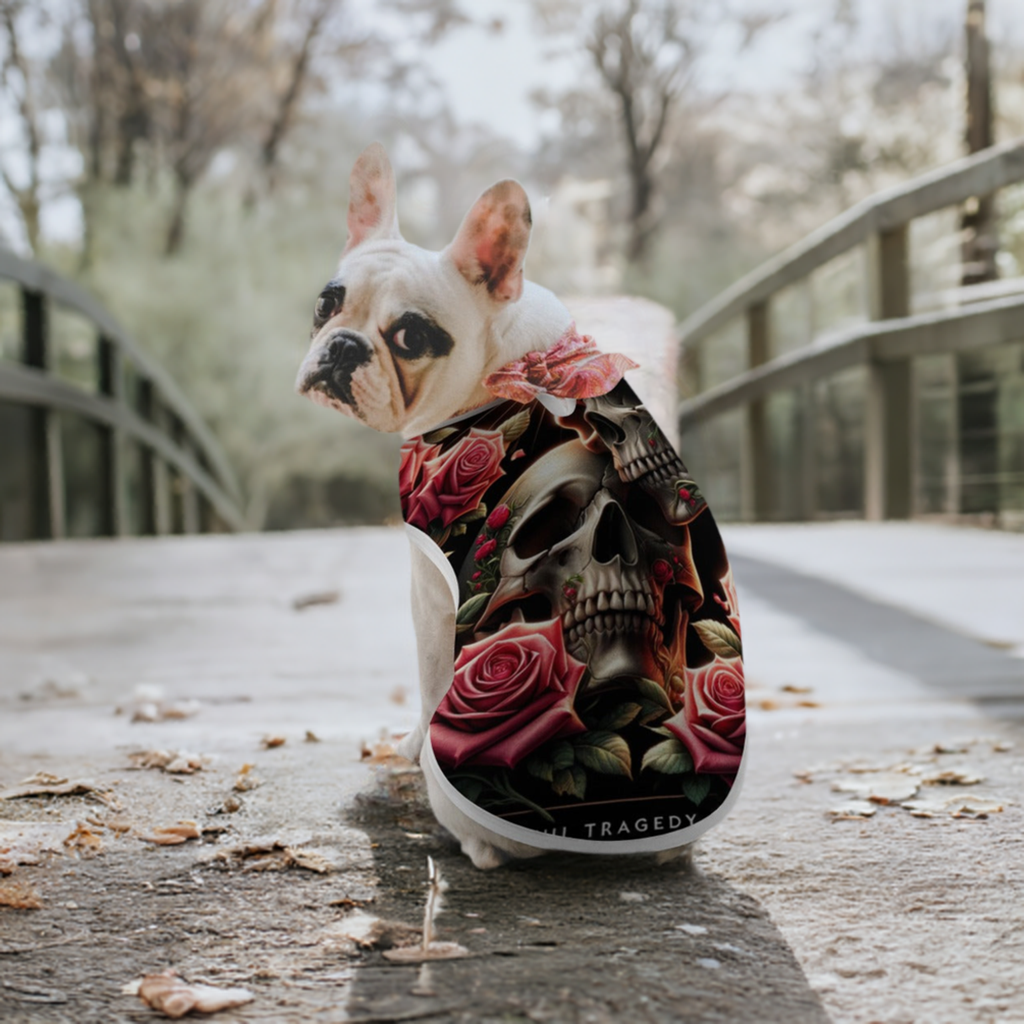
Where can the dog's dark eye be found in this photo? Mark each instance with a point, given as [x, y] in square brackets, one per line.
[331, 299]
[413, 336]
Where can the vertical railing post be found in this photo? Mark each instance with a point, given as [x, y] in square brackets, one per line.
[189, 491]
[156, 488]
[888, 409]
[115, 468]
[46, 458]
[756, 499]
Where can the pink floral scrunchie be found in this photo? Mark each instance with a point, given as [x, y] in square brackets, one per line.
[572, 368]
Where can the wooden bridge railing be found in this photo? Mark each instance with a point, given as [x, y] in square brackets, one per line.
[158, 470]
[886, 343]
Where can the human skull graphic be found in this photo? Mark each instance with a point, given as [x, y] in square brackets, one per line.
[622, 588]
[642, 453]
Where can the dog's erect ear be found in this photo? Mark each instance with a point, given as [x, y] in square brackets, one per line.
[491, 244]
[372, 204]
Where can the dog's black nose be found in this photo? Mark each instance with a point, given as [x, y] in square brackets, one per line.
[347, 349]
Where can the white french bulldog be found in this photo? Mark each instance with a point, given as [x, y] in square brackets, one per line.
[403, 340]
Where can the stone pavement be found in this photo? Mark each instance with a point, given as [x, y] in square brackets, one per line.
[869, 646]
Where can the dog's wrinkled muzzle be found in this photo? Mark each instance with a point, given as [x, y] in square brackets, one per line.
[330, 368]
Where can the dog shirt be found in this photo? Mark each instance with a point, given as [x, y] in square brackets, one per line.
[597, 699]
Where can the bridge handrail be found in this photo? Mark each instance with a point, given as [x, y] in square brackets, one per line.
[39, 386]
[977, 175]
[883, 341]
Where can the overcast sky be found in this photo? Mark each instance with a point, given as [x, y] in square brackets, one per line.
[489, 77]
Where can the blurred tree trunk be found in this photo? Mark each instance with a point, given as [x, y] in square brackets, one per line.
[27, 196]
[298, 70]
[980, 230]
[629, 52]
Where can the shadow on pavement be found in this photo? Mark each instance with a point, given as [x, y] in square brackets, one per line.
[570, 939]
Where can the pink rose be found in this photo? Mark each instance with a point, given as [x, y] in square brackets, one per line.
[414, 454]
[712, 724]
[455, 481]
[485, 550]
[511, 693]
[499, 517]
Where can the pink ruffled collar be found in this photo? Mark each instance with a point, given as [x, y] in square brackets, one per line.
[572, 368]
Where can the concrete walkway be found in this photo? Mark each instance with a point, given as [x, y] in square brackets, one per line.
[878, 656]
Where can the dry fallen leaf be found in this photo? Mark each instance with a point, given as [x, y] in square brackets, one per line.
[173, 835]
[19, 896]
[278, 853]
[321, 597]
[398, 695]
[953, 777]
[246, 781]
[84, 841]
[162, 711]
[382, 752]
[967, 806]
[269, 742]
[174, 762]
[311, 737]
[44, 784]
[791, 688]
[434, 951]
[172, 996]
[853, 810]
[880, 787]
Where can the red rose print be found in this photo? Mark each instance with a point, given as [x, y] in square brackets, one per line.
[485, 550]
[663, 572]
[499, 517]
[711, 724]
[414, 454]
[454, 482]
[511, 693]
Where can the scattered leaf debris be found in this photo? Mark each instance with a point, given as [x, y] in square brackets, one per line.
[953, 777]
[968, 806]
[318, 597]
[880, 788]
[311, 737]
[147, 704]
[853, 810]
[231, 805]
[84, 841]
[383, 752]
[45, 784]
[900, 783]
[173, 835]
[246, 780]
[19, 895]
[173, 762]
[174, 997]
[269, 742]
[279, 853]
[792, 688]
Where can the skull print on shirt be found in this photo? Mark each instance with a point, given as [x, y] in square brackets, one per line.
[597, 691]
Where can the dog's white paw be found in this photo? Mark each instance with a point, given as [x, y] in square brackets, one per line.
[482, 854]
